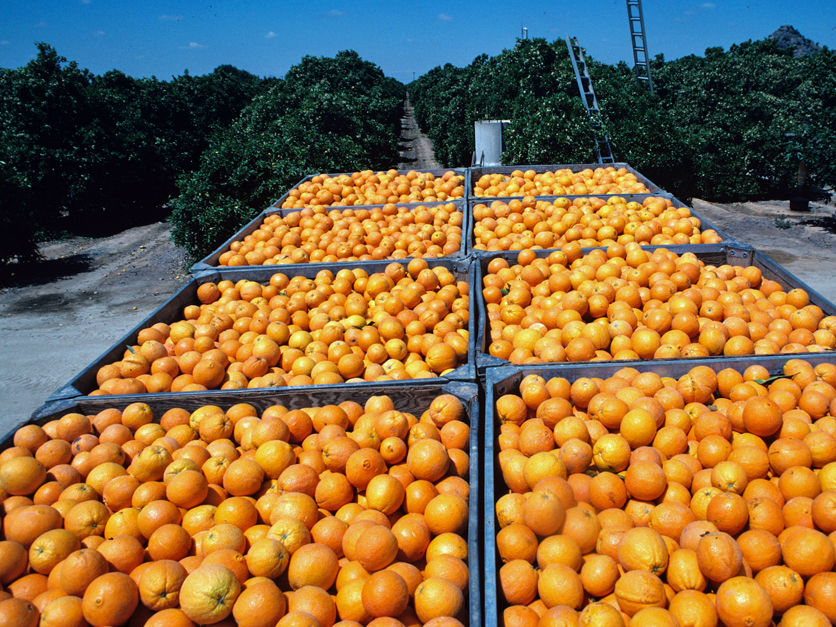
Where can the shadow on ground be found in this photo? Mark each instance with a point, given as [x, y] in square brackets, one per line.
[41, 272]
[828, 223]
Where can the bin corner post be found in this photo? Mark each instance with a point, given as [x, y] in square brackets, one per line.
[741, 253]
[205, 274]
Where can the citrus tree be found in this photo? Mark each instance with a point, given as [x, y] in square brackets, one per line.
[729, 125]
[83, 153]
[530, 85]
[327, 115]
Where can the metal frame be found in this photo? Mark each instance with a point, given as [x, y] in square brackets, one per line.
[603, 150]
[638, 39]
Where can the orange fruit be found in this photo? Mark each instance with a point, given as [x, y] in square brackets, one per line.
[160, 583]
[110, 599]
[637, 590]
[436, 598]
[259, 605]
[80, 568]
[63, 612]
[385, 593]
[19, 612]
[743, 601]
[50, 548]
[208, 593]
[312, 565]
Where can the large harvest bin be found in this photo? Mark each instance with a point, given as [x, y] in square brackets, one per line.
[732, 253]
[705, 224]
[465, 172]
[412, 399]
[477, 173]
[85, 382]
[212, 261]
[506, 380]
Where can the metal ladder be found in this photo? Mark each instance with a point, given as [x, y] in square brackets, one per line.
[642, 65]
[603, 150]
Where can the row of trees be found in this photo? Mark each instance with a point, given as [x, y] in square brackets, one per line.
[731, 125]
[337, 114]
[84, 153]
[88, 154]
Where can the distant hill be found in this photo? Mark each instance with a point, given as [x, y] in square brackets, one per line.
[788, 37]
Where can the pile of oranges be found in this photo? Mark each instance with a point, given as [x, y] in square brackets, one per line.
[652, 501]
[298, 517]
[563, 182]
[408, 322]
[627, 303]
[375, 188]
[317, 235]
[528, 223]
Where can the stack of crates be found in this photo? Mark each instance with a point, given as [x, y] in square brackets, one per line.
[479, 380]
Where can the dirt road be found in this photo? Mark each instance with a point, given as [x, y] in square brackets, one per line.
[416, 149]
[68, 310]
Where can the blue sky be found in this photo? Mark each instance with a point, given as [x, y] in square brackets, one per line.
[164, 38]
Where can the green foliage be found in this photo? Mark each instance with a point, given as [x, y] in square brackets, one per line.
[83, 153]
[530, 85]
[731, 125]
[737, 108]
[641, 131]
[45, 114]
[327, 115]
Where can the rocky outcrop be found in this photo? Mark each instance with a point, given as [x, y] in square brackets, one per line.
[788, 37]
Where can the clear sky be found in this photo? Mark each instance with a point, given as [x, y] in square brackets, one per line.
[163, 38]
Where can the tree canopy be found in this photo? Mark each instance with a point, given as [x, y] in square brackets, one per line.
[730, 125]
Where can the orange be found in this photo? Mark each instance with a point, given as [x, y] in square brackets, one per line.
[267, 557]
[208, 593]
[160, 583]
[110, 599]
[642, 548]
[385, 593]
[259, 604]
[63, 612]
[19, 612]
[312, 564]
[742, 601]
[436, 597]
[22, 475]
[50, 548]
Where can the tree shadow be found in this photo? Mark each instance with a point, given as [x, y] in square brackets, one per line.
[828, 223]
[41, 272]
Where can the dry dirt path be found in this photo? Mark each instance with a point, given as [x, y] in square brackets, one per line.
[68, 310]
[416, 149]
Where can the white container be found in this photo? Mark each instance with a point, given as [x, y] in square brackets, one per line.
[489, 142]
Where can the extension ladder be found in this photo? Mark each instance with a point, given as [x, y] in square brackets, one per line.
[642, 63]
[603, 150]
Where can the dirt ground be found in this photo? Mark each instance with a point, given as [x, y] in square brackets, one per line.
[81, 300]
[60, 315]
[416, 149]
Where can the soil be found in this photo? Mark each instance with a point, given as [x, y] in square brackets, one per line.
[59, 315]
[416, 149]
